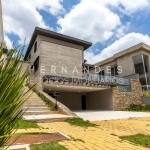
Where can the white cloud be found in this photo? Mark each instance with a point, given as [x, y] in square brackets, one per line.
[93, 20]
[8, 42]
[123, 43]
[89, 20]
[21, 17]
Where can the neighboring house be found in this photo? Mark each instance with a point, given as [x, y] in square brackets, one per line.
[57, 64]
[134, 60]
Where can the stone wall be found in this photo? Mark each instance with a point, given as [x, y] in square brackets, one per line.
[122, 100]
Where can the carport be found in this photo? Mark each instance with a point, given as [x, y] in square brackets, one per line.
[80, 97]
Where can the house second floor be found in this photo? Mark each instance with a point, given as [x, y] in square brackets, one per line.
[54, 54]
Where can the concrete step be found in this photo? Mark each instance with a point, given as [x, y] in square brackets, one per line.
[37, 109]
[40, 112]
[33, 105]
[37, 102]
[47, 118]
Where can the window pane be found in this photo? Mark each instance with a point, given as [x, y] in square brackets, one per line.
[138, 64]
[112, 71]
[116, 70]
[124, 88]
[145, 63]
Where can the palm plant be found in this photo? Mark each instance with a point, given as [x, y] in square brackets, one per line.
[13, 79]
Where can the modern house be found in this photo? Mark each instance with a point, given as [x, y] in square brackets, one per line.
[134, 60]
[57, 64]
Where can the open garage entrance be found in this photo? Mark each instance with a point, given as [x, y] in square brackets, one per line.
[78, 98]
[99, 100]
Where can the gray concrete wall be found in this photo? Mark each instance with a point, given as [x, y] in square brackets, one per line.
[56, 53]
[126, 62]
[145, 100]
[71, 99]
[100, 100]
[58, 56]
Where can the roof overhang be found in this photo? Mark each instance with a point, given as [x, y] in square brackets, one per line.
[58, 36]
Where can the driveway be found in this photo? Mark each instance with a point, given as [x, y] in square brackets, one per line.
[109, 115]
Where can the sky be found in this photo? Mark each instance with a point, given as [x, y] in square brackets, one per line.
[111, 25]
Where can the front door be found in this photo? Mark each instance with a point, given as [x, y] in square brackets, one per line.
[83, 102]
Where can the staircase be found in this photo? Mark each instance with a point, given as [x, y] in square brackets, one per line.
[35, 106]
[36, 110]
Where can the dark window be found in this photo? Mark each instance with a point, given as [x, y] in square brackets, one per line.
[102, 73]
[142, 68]
[36, 64]
[138, 65]
[124, 88]
[29, 57]
[114, 70]
[35, 47]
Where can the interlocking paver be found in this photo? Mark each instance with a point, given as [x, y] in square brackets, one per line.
[101, 137]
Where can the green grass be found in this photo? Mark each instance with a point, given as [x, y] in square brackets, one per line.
[23, 124]
[140, 139]
[47, 101]
[47, 146]
[80, 122]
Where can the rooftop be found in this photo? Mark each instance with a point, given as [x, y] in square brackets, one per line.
[58, 36]
[140, 46]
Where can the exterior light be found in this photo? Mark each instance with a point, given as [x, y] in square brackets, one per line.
[56, 94]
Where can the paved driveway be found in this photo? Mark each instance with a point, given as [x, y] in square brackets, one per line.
[109, 115]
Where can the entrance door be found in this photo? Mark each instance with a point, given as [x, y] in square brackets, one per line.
[83, 102]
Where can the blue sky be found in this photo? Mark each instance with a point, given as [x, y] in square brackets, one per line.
[111, 25]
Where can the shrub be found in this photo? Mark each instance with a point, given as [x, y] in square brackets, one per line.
[139, 107]
[146, 94]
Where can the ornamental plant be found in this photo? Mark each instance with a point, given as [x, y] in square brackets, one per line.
[13, 78]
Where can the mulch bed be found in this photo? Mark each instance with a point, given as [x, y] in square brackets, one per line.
[36, 138]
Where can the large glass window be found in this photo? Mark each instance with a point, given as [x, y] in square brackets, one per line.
[101, 74]
[141, 68]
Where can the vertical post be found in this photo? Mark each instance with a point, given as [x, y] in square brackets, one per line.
[145, 72]
[1, 25]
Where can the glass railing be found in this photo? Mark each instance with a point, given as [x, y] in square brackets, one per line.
[106, 79]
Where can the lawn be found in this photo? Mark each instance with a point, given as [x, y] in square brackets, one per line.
[47, 146]
[24, 124]
[140, 139]
[80, 122]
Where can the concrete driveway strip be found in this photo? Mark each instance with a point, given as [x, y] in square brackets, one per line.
[109, 115]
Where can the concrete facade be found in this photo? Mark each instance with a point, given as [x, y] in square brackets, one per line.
[56, 58]
[125, 59]
[100, 100]
[59, 53]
